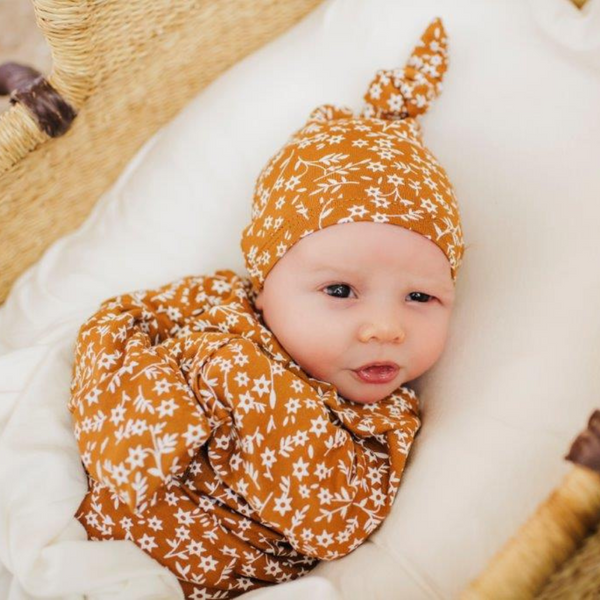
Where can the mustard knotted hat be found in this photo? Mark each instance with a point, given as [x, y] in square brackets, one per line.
[339, 168]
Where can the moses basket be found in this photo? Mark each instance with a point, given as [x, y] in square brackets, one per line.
[166, 51]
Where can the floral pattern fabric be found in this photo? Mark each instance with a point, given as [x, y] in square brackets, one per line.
[211, 449]
[341, 168]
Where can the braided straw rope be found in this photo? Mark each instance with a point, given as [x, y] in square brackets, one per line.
[550, 537]
[127, 68]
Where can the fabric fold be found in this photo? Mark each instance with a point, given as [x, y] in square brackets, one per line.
[211, 449]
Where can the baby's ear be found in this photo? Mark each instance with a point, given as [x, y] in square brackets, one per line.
[408, 92]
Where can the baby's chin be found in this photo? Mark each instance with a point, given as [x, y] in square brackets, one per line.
[366, 393]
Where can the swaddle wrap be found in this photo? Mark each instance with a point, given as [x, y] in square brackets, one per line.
[209, 448]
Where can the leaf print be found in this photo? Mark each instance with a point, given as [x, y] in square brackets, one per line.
[202, 435]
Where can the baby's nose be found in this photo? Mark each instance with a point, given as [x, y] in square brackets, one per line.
[383, 331]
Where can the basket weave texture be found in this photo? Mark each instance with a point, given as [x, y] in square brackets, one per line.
[127, 68]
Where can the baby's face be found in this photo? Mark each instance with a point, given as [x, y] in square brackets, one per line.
[357, 293]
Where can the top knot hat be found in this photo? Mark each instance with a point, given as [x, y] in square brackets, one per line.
[339, 168]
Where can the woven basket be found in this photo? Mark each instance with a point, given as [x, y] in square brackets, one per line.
[127, 68]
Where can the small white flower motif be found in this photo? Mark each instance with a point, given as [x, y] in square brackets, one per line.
[385, 154]
[200, 593]
[300, 469]
[283, 505]
[244, 524]
[319, 426]
[300, 438]
[325, 539]
[155, 523]
[138, 427]
[246, 402]
[304, 491]
[136, 457]
[272, 569]
[92, 520]
[184, 517]
[322, 472]
[268, 458]
[147, 543]
[117, 414]
[248, 570]
[325, 496]
[261, 386]
[292, 405]
[343, 536]
[173, 313]
[194, 434]
[208, 563]
[360, 143]
[242, 378]
[292, 182]
[297, 386]
[172, 499]
[240, 360]
[220, 286]
[395, 179]
[384, 76]
[92, 397]
[429, 206]
[378, 497]
[195, 547]
[162, 386]
[380, 218]
[395, 102]
[381, 202]
[358, 211]
[281, 249]
[375, 91]
[376, 166]
[374, 475]
[107, 360]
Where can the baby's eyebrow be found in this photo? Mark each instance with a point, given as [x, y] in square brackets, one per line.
[336, 270]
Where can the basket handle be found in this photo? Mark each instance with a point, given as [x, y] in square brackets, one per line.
[24, 84]
[553, 533]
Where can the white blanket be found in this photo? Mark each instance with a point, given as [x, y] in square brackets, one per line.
[516, 128]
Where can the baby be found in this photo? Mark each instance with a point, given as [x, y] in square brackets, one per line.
[240, 430]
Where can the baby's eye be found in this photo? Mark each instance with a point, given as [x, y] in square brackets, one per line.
[420, 296]
[339, 290]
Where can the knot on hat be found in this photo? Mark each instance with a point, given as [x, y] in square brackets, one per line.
[407, 92]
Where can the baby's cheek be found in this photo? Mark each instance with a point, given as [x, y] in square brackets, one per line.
[434, 341]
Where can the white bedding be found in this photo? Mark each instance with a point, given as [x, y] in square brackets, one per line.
[516, 128]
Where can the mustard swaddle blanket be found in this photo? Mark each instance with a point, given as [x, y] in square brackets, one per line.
[207, 446]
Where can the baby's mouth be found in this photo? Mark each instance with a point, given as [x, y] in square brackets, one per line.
[377, 373]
